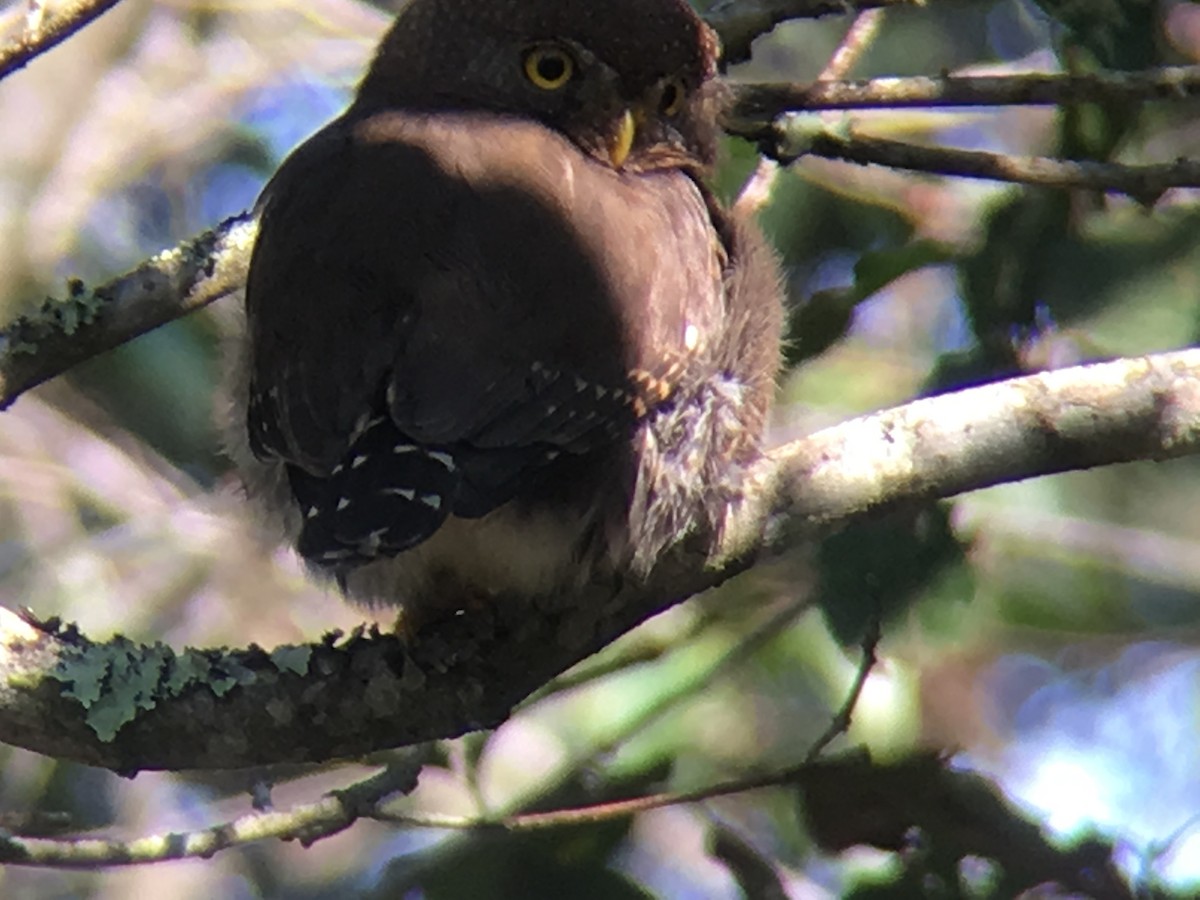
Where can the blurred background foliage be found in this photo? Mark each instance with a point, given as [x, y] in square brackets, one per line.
[1045, 633]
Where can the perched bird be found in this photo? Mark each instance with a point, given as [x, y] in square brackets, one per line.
[500, 337]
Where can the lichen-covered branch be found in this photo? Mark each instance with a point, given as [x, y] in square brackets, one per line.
[309, 822]
[65, 331]
[128, 707]
[46, 26]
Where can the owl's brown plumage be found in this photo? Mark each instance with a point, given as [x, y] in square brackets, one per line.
[500, 338]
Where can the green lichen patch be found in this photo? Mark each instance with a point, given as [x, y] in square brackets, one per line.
[292, 659]
[54, 317]
[118, 680]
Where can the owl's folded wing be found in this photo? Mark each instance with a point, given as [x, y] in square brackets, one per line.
[465, 329]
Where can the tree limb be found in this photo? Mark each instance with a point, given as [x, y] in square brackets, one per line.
[858, 37]
[797, 137]
[309, 822]
[47, 26]
[64, 332]
[128, 707]
[765, 101]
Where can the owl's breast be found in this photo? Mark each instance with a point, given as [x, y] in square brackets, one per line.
[573, 240]
[483, 363]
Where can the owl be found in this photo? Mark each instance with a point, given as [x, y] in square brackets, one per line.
[501, 339]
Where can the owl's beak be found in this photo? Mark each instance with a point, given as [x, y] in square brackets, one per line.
[621, 140]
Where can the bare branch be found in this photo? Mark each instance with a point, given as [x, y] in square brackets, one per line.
[308, 823]
[851, 800]
[599, 812]
[127, 707]
[796, 137]
[858, 37]
[765, 101]
[840, 723]
[1076, 418]
[47, 26]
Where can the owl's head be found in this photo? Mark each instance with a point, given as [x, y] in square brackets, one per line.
[631, 82]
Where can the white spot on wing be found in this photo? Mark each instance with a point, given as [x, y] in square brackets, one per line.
[691, 336]
[444, 458]
[343, 503]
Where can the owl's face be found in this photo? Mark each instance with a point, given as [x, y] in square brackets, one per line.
[631, 82]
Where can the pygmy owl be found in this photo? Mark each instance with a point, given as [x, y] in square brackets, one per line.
[501, 338]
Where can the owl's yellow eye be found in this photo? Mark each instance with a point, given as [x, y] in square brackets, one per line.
[549, 67]
[670, 101]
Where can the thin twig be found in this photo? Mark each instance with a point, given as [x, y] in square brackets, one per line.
[858, 37]
[51, 26]
[840, 723]
[850, 800]
[1144, 183]
[307, 823]
[744, 649]
[598, 812]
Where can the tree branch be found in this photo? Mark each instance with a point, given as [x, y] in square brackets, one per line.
[796, 137]
[128, 707]
[851, 801]
[47, 27]
[308, 822]
[64, 332]
[858, 37]
[765, 101]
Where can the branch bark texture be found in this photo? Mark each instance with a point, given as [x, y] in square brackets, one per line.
[796, 138]
[758, 101]
[127, 707]
[65, 331]
[46, 26]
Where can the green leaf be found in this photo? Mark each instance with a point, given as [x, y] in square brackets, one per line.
[1119, 34]
[880, 568]
[826, 315]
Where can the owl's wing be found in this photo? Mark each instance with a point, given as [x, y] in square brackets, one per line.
[436, 315]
